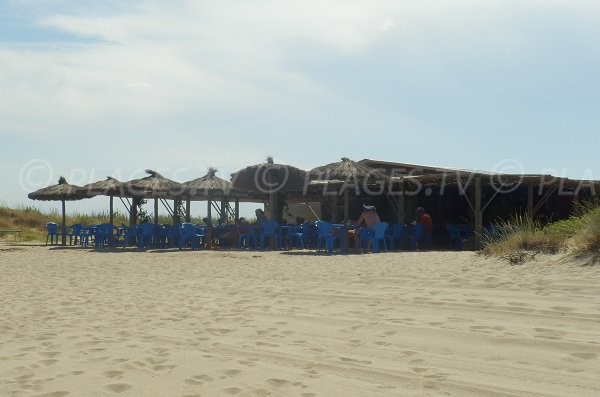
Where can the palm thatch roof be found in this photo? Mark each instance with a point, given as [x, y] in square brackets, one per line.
[211, 186]
[62, 191]
[108, 187]
[347, 172]
[269, 177]
[153, 186]
[207, 184]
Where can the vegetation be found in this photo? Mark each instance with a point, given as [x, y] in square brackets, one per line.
[520, 239]
[31, 220]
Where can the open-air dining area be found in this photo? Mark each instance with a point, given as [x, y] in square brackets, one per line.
[361, 207]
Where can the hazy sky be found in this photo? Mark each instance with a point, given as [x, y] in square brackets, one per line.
[96, 88]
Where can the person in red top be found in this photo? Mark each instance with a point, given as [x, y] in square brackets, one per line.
[424, 219]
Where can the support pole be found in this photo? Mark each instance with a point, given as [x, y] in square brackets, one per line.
[223, 211]
[530, 201]
[478, 213]
[64, 227]
[273, 206]
[133, 211]
[209, 223]
[176, 211]
[188, 218]
[237, 210]
[334, 208]
[111, 212]
[401, 213]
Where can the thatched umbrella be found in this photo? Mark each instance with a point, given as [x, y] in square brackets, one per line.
[269, 178]
[153, 186]
[347, 175]
[108, 187]
[63, 191]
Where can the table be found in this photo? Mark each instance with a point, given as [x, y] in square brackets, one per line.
[15, 232]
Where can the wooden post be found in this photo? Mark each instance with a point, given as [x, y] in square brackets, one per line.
[530, 201]
[478, 213]
[176, 211]
[346, 205]
[333, 208]
[110, 215]
[401, 213]
[188, 217]
[273, 206]
[64, 227]
[133, 211]
[209, 223]
[237, 210]
[156, 222]
[223, 211]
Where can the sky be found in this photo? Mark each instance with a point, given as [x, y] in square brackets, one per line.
[96, 88]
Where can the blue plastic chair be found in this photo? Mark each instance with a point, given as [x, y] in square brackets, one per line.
[131, 235]
[188, 236]
[122, 235]
[268, 230]
[458, 234]
[295, 236]
[415, 234]
[396, 233]
[74, 233]
[325, 235]
[52, 229]
[246, 239]
[375, 235]
[88, 236]
[145, 235]
[104, 235]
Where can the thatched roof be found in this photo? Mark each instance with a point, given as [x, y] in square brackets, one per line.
[108, 187]
[210, 185]
[61, 191]
[153, 186]
[269, 177]
[347, 172]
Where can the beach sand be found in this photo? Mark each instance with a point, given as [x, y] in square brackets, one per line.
[77, 322]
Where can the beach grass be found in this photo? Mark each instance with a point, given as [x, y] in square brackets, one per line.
[520, 238]
[31, 220]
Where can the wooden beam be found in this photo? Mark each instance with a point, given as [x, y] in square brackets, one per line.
[188, 217]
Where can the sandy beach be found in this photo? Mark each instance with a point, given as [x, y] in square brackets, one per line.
[166, 323]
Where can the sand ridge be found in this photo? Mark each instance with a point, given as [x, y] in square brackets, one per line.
[166, 323]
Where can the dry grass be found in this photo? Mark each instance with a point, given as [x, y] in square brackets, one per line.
[520, 239]
[31, 220]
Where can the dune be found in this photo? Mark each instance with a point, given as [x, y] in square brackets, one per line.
[78, 322]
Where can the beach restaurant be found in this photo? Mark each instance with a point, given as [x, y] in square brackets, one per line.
[338, 192]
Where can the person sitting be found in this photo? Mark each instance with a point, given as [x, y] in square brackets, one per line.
[260, 216]
[230, 238]
[363, 225]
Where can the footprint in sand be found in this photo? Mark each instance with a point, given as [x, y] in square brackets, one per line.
[113, 374]
[232, 372]
[585, 356]
[118, 387]
[49, 354]
[54, 394]
[232, 390]
[278, 382]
